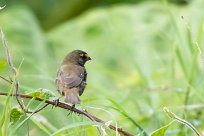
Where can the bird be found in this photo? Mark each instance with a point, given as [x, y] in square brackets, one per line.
[72, 75]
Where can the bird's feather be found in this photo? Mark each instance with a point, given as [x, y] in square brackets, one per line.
[74, 77]
[70, 80]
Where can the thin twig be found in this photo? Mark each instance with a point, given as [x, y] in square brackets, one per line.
[70, 108]
[182, 121]
[188, 124]
[38, 110]
[9, 61]
[10, 82]
[16, 82]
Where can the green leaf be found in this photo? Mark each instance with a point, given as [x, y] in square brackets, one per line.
[42, 93]
[3, 64]
[15, 115]
[161, 131]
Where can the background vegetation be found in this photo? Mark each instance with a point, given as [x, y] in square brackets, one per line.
[146, 55]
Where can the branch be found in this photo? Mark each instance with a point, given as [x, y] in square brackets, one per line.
[73, 109]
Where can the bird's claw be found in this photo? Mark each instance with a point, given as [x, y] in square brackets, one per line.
[56, 103]
[73, 106]
[71, 110]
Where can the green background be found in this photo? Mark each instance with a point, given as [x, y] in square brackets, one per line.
[145, 55]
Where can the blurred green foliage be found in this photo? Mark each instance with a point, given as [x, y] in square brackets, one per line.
[145, 57]
[51, 12]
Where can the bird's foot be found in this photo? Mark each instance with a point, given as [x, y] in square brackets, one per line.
[56, 103]
[71, 110]
[73, 106]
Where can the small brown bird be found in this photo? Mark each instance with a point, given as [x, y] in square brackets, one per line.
[71, 76]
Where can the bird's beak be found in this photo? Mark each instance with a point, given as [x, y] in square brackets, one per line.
[89, 58]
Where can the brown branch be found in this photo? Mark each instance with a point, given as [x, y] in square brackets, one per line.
[70, 108]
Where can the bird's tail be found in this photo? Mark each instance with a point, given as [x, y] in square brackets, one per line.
[72, 97]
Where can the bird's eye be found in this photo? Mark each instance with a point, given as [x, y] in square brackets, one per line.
[83, 56]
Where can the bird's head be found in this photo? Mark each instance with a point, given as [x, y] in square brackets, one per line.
[77, 57]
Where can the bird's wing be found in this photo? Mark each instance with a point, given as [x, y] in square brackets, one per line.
[70, 80]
